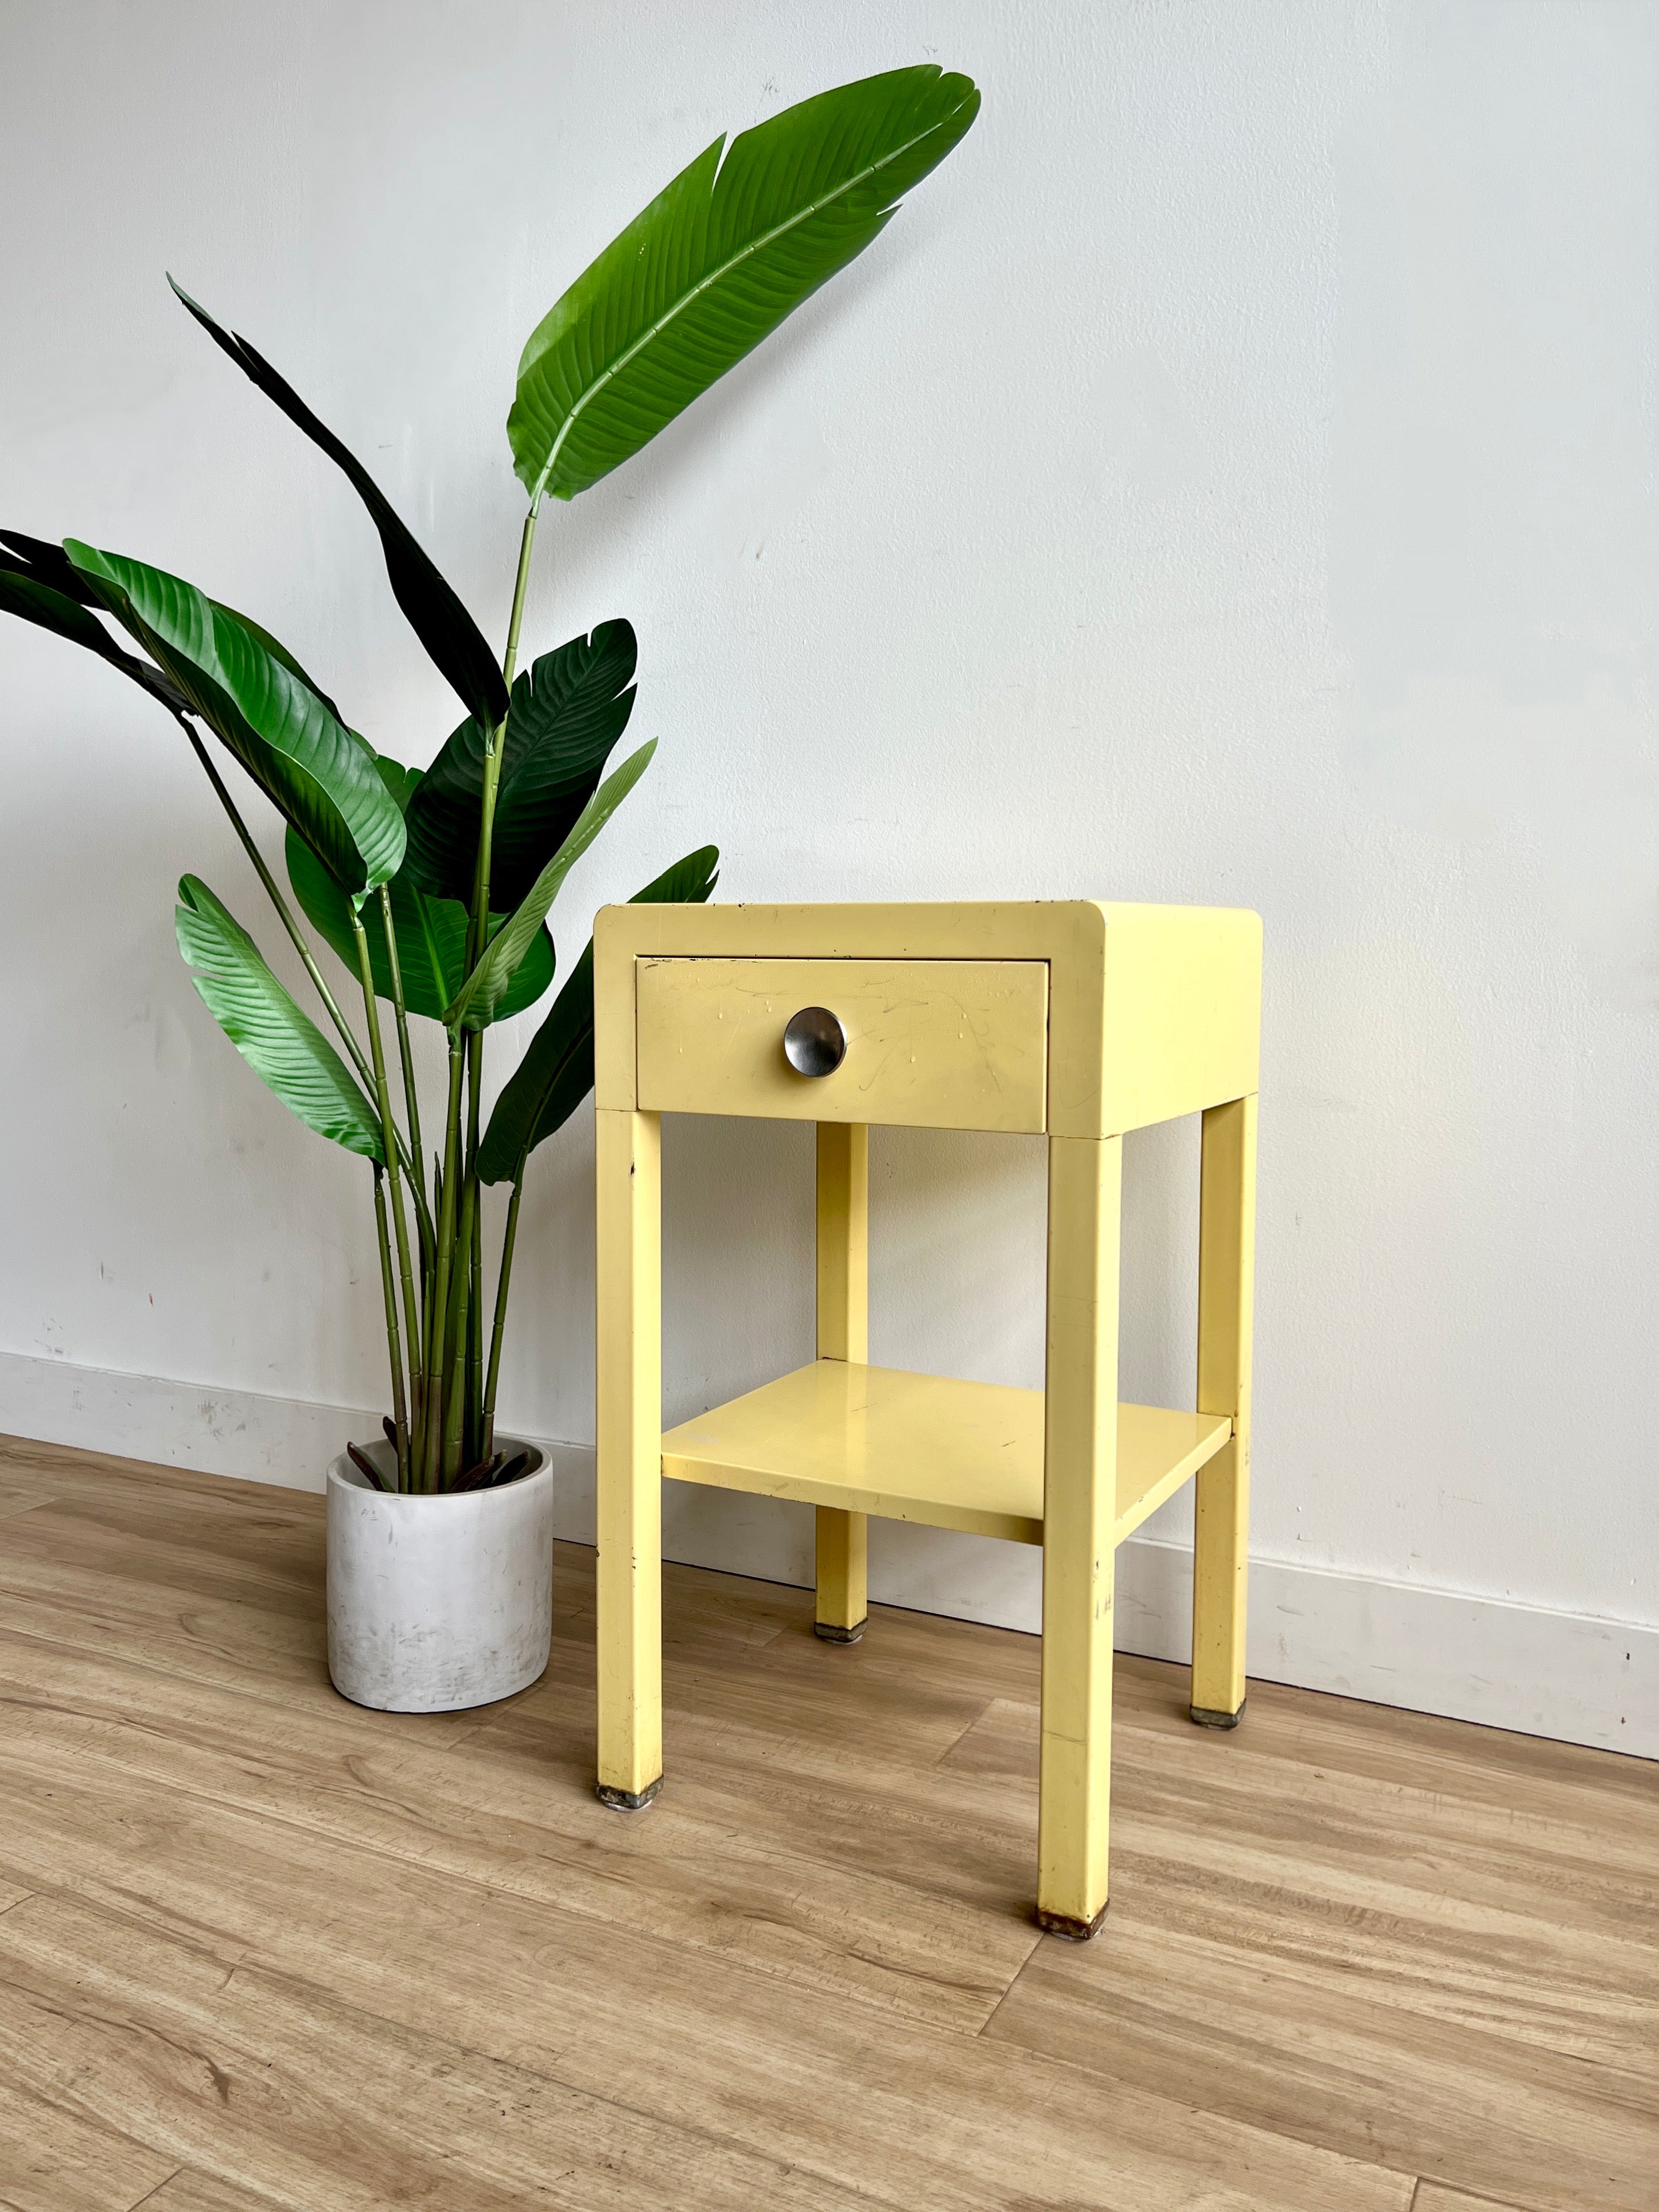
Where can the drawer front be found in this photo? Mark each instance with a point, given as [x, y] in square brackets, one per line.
[934, 1044]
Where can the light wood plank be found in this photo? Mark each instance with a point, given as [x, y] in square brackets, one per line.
[70, 1469]
[787, 1741]
[852, 1794]
[264, 2078]
[53, 2161]
[1005, 1741]
[14, 1500]
[67, 1577]
[190, 2190]
[1440, 1985]
[832, 1932]
[1348, 1946]
[1431, 2197]
[418, 2021]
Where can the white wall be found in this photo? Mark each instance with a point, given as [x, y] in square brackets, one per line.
[1231, 478]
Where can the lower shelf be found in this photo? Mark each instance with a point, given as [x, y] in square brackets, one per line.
[922, 1447]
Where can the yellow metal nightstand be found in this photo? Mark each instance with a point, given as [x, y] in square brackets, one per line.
[1070, 1020]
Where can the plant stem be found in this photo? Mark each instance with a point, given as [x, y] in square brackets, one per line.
[510, 657]
[475, 1367]
[435, 1370]
[494, 1377]
[455, 1387]
[398, 1411]
[383, 1100]
[474, 1260]
[493, 750]
[464, 1367]
[411, 1098]
[426, 1381]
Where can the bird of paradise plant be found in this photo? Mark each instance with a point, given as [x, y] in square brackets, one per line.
[434, 887]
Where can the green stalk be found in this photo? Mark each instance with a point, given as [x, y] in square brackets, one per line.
[398, 1417]
[425, 1381]
[466, 1259]
[475, 1366]
[436, 1340]
[507, 1242]
[455, 1387]
[478, 932]
[411, 1097]
[475, 1255]
[510, 657]
[383, 1100]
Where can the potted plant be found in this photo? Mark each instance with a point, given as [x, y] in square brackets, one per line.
[434, 887]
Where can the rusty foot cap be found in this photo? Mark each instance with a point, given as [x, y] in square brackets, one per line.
[1074, 1931]
[627, 1800]
[1206, 1718]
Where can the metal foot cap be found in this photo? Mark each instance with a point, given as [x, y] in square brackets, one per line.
[831, 1634]
[1062, 1923]
[627, 1800]
[1206, 1718]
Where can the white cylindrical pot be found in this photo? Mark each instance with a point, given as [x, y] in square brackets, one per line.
[437, 1603]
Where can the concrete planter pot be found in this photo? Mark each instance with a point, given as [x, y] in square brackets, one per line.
[438, 1603]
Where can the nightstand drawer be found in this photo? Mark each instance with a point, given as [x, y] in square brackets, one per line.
[938, 1044]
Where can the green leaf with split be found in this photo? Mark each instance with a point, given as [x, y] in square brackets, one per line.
[716, 262]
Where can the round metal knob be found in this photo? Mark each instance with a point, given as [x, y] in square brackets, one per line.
[815, 1042]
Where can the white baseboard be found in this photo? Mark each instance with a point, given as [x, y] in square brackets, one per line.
[1566, 1676]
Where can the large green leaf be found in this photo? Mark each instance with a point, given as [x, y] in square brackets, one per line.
[46, 591]
[320, 775]
[434, 613]
[557, 1073]
[278, 651]
[715, 264]
[284, 1046]
[431, 936]
[568, 709]
[480, 998]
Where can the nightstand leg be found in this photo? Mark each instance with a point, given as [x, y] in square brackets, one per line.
[1226, 1250]
[630, 1593]
[843, 1175]
[1079, 1511]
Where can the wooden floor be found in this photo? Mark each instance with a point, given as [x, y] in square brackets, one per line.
[259, 1948]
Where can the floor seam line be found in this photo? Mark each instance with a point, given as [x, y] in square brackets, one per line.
[139, 2203]
[984, 2026]
[962, 1736]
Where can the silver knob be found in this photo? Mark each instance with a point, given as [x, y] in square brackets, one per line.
[815, 1042]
